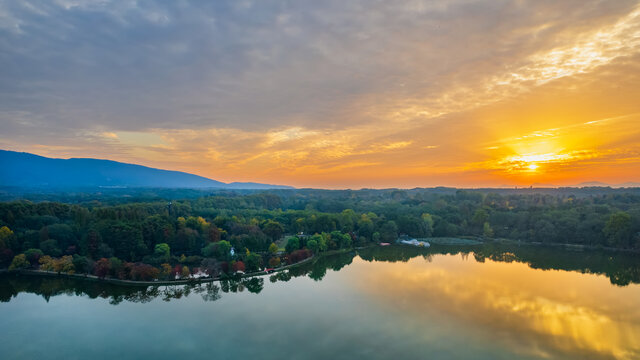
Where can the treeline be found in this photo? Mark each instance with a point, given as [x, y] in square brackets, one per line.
[178, 238]
[116, 195]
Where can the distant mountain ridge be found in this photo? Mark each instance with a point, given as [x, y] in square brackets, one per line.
[599, 183]
[586, 184]
[22, 169]
[593, 184]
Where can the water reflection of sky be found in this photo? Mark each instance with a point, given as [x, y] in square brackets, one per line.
[537, 313]
[432, 307]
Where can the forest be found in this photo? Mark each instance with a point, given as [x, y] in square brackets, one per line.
[154, 236]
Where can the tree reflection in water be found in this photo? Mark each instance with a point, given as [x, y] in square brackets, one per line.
[11, 285]
[621, 268]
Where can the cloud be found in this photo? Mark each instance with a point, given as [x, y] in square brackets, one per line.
[276, 86]
[140, 65]
[111, 135]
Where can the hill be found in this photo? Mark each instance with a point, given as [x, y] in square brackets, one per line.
[21, 169]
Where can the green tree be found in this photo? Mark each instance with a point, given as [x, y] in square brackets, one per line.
[544, 231]
[125, 239]
[253, 262]
[197, 223]
[50, 247]
[389, 232]
[157, 229]
[222, 250]
[365, 227]
[33, 255]
[343, 241]
[273, 249]
[312, 245]
[428, 224]
[348, 219]
[81, 264]
[63, 234]
[618, 229]
[19, 262]
[162, 251]
[90, 243]
[115, 266]
[487, 230]
[322, 242]
[209, 250]
[480, 217]
[273, 229]
[293, 244]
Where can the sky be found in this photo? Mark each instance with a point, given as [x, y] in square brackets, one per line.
[330, 94]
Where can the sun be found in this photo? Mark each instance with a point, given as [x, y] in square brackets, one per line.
[533, 167]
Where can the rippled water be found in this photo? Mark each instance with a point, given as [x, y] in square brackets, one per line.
[483, 302]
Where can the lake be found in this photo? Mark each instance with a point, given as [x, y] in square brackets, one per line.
[448, 302]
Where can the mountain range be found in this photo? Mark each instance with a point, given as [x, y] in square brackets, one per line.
[22, 169]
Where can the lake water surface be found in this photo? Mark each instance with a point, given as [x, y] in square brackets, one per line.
[481, 302]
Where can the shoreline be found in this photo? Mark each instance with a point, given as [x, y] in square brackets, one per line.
[93, 278]
[569, 247]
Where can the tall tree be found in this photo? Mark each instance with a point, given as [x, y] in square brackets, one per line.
[618, 229]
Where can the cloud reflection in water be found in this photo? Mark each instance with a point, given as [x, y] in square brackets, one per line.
[541, 313]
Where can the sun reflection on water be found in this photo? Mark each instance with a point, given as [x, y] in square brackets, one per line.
[554, 313]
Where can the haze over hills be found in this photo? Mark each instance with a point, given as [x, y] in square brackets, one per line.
[29, 170]
[589, 184]
[599, 183]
